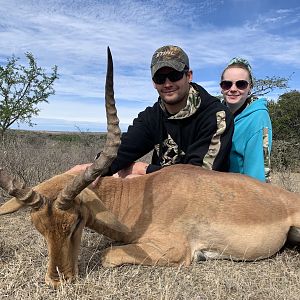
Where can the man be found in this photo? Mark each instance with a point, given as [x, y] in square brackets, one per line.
[186, 125]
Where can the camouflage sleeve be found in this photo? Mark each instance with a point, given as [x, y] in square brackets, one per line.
[215, 145]
[266, 151]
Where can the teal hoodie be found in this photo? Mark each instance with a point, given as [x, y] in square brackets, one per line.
[252, 141]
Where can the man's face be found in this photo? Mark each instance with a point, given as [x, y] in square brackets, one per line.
[173, 93]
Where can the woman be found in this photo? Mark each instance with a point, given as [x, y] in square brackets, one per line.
[252, 138]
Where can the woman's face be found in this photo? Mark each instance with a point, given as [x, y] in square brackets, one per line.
[236, 94]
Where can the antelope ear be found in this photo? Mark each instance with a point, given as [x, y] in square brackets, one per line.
[11, 206]
[109, 219]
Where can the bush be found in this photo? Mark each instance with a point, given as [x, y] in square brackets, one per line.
[285, 155]
[36, 156]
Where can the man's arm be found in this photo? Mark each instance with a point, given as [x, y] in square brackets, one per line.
[135, 143]
[212, 147]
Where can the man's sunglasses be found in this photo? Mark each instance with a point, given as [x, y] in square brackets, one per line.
[240, 84]
[172, 76]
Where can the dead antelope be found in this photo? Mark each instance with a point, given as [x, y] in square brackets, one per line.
[170, 217]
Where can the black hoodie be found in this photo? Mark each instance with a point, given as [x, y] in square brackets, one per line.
[199, 134]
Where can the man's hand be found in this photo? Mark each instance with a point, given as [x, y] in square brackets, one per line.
[137, 168]
[78, 168]
[134, 170]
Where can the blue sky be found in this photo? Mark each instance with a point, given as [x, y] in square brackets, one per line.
[74, 35]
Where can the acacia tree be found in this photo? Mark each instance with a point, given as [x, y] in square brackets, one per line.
[264, 86]
[21, 89]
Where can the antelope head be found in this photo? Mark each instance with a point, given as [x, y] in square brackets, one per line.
[58, 211]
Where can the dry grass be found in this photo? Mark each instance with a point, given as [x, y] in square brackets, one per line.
[23, 253]
[289, 181]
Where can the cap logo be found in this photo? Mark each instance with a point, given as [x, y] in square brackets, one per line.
[165, 53]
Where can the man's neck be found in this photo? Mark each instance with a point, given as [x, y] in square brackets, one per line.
[175, 108]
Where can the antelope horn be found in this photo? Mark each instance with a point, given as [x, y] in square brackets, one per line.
[16, 189]
[101, 165]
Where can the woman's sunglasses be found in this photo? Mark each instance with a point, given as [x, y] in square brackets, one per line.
[172, 76]
[240, 84]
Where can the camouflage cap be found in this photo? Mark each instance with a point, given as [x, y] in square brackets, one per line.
[169, 56]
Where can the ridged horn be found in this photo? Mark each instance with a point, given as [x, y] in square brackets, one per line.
[16, 189]
[108, 154]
